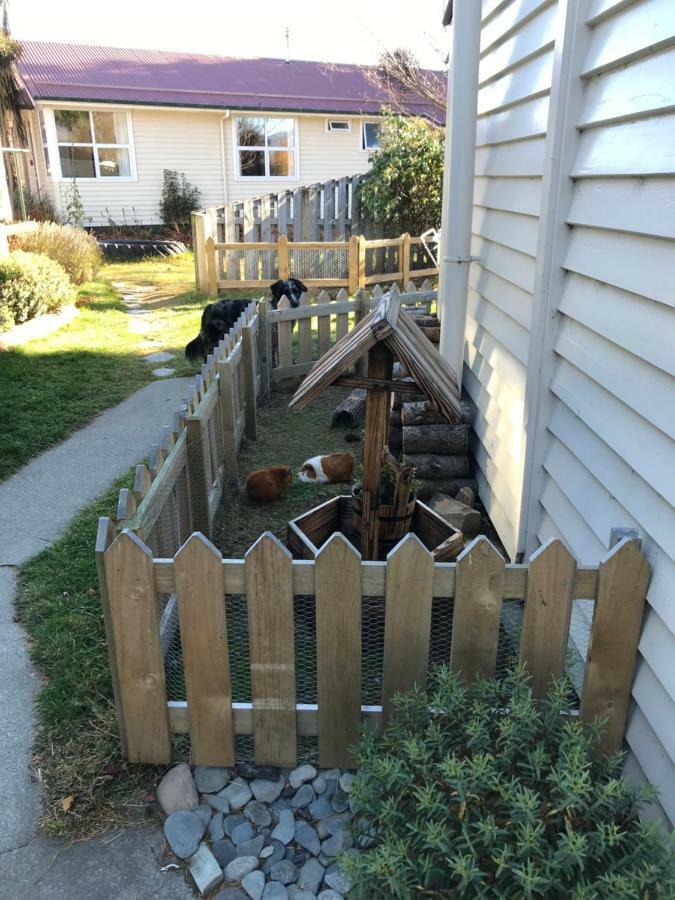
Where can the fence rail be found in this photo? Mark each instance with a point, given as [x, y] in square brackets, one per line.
[335, 593]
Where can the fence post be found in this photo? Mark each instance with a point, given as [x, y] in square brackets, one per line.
[264, 347]
[196, 473]
[250, 400]
[282, 250]
[228, 423]
[362, 261]
[404, 261]
[212, 284]
[353, 265]
[199, 248]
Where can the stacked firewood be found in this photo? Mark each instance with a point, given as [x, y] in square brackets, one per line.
[423, 438]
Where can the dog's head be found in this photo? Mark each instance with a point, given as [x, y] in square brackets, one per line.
[292, 288]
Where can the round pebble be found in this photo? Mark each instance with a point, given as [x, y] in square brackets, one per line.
[254, 884]
[240, 867]
[257, 813]
[183, 831]
[210, 779]
[284, 871]
[275, 890]
[303, 797]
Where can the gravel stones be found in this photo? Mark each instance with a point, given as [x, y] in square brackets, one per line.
[254, 884]
[252, 847]
[300, 775]
[278, 853]
[307, 837]
[177, 790]
[336, 880]
[205, 871]
[238, 793]
[216, 830]
[267, 791]
[231, 822]
[257, 813]
[321, 807]
[303, 797]
[218, 802]
[240, 867]
[275, 890]
[224, 851]
[243, 832]
[183, 831]
[311, 876]
[210, 779]
[285, 830]
[284, 871]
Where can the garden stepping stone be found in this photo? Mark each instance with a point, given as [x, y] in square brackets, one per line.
[285, 830]
[284, 871]
[216, 829]
[320, 808]
[301, 775]
[224, 851]
[257, 813]
[275, 890]
[311, 875]
[252, 847]
[303, 797]
[232, 821]
[307, 837]
[254, 884]
[163, 372]
[219, 802]
[237, 794]
[336, 880]
[183, 831]
[267, 791]
[243, 832]
[240, 867]
[210, 779]
[205, 871]
[177, 790]
[160, 357]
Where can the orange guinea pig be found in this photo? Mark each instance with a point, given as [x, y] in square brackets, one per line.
[268, 484]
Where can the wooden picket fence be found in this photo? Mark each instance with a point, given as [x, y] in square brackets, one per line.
[334, 585]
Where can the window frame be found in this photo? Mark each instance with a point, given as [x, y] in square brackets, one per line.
[364, 122]
[347, 122]
[53, 144]
[266, 149]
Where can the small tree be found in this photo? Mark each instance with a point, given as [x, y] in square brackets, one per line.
[179, 199]
[403, 190]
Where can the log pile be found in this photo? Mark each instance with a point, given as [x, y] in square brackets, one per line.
[421, 436]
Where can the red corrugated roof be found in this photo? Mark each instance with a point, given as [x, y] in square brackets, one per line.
[112, 74]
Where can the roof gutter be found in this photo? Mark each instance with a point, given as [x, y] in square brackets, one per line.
[460, 151]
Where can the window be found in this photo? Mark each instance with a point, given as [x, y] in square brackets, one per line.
[370, 136]
[265, 148]
[45, 143]
[93, 144]
[338, 125]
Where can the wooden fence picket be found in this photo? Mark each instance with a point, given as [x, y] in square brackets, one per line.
[228, 419]
[324, 323]
[249, 374]
[285, 337]
[342, 319]
[407, 629]
[338, 649]
[269, 590]
[548, 608]
[138, 650]
[479, 587]
[305, 332]
[200, 592]
[617, 619]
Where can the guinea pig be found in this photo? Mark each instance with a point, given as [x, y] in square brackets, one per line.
[327, 468]
[268, 484]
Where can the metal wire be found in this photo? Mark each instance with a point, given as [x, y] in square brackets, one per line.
[251, 264]
[318, 263]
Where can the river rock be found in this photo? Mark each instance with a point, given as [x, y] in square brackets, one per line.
[285, 830]
[331, 824]
[310, 875]
[237, 794]
[340, 801]
[210, 779]
[258, 813]
[336, 880]
[243, 832]
[301, 775]
[278, 851]
[284, 871]
[252, 847]
[183, 831]
[240, 867]
[321, 807]
[347, 780]
[177, 790]
[254, 884]
[267, 791]
[216, 830]
[307, 837]
[219, 802]
[232, 821]
[303, 797]
[275, 890]
[224, 851]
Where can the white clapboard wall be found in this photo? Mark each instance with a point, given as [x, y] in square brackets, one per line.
[571, 326]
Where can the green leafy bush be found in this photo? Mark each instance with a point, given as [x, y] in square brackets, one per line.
[31, 284]
[476, 792]
[404, 188]
[179, 199]
[75, 249]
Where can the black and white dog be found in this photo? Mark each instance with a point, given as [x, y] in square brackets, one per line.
[219, 317]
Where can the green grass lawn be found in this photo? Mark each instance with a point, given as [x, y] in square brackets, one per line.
[52, 386]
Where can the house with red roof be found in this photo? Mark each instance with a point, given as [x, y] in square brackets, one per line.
[114, 119]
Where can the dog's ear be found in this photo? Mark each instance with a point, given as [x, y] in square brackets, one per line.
[195, 351]
[300, 285]
[277, 290]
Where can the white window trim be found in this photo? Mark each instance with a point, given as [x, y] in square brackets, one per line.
[261, 178]
[347, 122]
[53, 146]
[365, 122]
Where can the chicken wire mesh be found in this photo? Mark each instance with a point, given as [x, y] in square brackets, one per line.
[251, 264]
[333, 263]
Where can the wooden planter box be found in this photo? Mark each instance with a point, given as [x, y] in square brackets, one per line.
[309, 531]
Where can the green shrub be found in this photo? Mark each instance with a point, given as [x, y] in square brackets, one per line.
[476, 792]
[403, 190]
[31, 284]
[179, 199]
[75, 249]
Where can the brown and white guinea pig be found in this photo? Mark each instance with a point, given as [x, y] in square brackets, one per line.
[268, 484]
[327, 468]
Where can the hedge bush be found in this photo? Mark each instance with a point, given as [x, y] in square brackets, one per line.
[30, 284]
[75, 249]
[477, 792]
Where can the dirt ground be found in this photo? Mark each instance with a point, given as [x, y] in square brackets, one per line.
[285, 437]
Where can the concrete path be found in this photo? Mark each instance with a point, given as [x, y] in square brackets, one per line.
[36, 506]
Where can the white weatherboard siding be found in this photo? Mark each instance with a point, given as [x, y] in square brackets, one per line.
[515, 79]
[601, 450]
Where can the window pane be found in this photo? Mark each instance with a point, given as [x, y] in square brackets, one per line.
[251, 132]
[77, 162]
[110, 128]
[114, 163]
[281, 163]
[280, 132]
[371, 136]
[252, 163]
[72, 126]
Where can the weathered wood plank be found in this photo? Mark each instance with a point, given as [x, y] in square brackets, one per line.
[324, 324]
[479, 589]
[305, 332]
[285, 337]
[200, 593]
[269, 590]
[338, 649]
